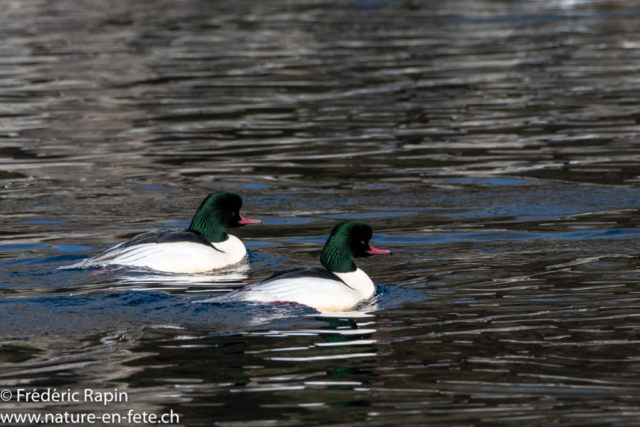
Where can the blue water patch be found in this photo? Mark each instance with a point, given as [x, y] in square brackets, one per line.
[522, 213]
[388, 297]
[254, 186]
[260, 260]
[369, 215]
[372, 3]
[22, 246]
[312, 239]
[542, 202]
[287, 220]
[123, 310]
[56, 260]
[619, 233]
[73, 248]
[258, 244]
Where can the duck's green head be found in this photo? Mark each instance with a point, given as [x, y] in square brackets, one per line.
[347, 241]
[218, 212]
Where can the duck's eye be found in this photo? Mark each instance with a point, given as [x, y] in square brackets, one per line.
[234, 213]
[364, 243]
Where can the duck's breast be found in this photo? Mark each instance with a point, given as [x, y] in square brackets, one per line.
[360, 281]
[233, 249]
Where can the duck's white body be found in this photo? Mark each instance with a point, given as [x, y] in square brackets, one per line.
[174, 256]
[312, 287]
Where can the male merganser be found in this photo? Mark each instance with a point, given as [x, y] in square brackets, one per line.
[203, 247]
[339, 286]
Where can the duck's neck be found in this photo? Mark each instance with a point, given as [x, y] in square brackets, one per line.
[337, 257]
[208, 225]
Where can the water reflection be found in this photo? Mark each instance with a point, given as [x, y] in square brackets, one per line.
[222, 280]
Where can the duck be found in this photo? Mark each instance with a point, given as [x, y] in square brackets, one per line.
[338, 285]
[203, 247]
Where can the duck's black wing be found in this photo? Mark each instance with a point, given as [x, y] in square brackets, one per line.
[165, 236]
[297, 273]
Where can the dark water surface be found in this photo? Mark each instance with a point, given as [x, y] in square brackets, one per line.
[492, 145]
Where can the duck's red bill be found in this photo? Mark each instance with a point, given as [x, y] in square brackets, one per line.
[244, 221]
[376, 251]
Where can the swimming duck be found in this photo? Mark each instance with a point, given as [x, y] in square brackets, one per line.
[203, 247]
[337, 286]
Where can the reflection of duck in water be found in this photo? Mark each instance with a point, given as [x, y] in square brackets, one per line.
[203, 247]
[343, 329]
[339, 286]
[213, 281]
